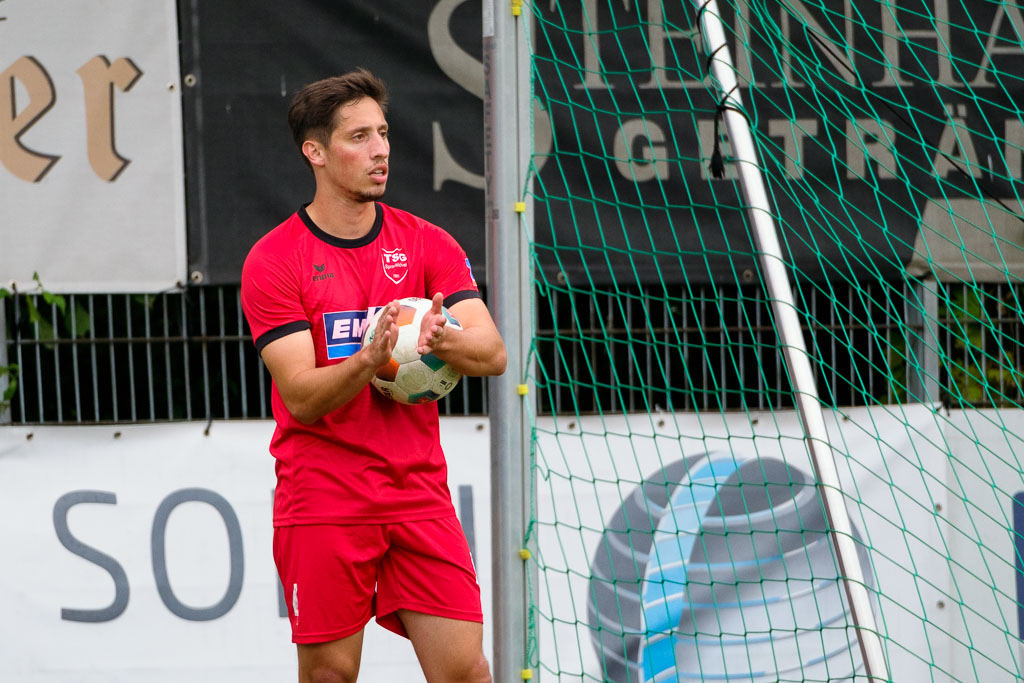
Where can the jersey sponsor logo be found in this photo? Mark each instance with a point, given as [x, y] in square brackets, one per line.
[470, 269]
[344, 331]
[320, 274]
[395, 264]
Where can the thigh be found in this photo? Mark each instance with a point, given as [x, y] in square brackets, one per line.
[328, 573]
[428, 569]
[447, 649]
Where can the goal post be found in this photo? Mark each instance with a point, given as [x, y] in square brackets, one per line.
[791, 337]
[506, 151]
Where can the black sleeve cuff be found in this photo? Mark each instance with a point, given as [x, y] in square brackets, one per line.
[278, 332]
[460, 296]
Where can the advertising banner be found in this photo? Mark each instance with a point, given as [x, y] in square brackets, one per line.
[888, 138]
[623, 127]
[142, 553]
[93, 178]
[245, 59]
[693, 547]
[91, 168]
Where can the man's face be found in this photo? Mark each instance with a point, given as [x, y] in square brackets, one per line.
[356, 160]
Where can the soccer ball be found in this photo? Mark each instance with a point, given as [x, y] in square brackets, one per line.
[409, 377]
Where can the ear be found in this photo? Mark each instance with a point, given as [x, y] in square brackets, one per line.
[314, 152]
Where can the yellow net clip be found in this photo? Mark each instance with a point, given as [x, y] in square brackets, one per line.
[517, 8]
[524, 554]
[523, 389]
[520, 207]
[526, 674]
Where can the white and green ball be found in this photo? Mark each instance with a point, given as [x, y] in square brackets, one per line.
[409, 377]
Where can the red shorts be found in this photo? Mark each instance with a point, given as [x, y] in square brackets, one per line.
[336, 577]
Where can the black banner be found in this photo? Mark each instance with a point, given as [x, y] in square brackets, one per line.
[249, 57]
[890, 139]
[872, 128]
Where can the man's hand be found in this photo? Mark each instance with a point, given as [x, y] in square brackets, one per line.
[378, 351]
[433, 328]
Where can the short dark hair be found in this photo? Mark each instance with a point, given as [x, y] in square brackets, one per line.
[312, 111]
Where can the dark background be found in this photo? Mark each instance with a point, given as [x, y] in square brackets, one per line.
[250, 57]
[244, 175]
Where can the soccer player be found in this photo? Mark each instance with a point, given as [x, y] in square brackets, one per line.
[364, 524]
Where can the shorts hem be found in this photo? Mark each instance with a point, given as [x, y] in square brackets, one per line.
[314, 638]
[432, 610]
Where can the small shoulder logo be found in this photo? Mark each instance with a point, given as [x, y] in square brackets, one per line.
[395, 264]
[321, 275]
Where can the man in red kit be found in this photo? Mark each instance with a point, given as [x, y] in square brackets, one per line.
[364, 524]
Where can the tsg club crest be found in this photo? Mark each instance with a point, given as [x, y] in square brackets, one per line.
[395, 264]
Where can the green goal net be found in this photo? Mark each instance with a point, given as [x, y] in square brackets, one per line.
[678, 529]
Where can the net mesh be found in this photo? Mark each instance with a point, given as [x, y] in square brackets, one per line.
[678, 531]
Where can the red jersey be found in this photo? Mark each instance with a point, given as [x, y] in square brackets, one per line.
[373, 460]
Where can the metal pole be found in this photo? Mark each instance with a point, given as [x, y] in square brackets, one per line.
[5, 411]
[791, 336]
[923, 365]
[508, 287]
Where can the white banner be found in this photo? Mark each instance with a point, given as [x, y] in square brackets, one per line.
[143, 553]
[643, 529]
[986, 539]
[91, 161]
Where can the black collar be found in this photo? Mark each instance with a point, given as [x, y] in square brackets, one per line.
[319, 233]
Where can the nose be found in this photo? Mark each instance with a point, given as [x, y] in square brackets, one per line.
[380, 147]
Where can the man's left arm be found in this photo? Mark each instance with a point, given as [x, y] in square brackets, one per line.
[476, 350]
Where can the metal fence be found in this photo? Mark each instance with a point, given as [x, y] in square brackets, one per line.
[188, 354]
[716, 347]
[126, 358]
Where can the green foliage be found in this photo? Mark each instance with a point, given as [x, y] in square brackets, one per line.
[47, 327]
[145, 300]
[71, 319]
[10, 374]
[899, 365]
[983, 364]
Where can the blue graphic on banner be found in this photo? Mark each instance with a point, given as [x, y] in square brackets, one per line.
[733, 575]
[742, 582]
[664, 588]
[1018, 555]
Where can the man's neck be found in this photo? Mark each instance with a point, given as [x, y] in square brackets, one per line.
[342, 218]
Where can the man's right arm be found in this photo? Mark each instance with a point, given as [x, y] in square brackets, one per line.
[310, 392]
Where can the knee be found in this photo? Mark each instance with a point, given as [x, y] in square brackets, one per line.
[331, 672]
[477, 671]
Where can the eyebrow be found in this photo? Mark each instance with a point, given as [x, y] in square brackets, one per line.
[363, 129]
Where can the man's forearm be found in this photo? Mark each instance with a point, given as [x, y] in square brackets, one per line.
[315, 392]
[477, 351]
